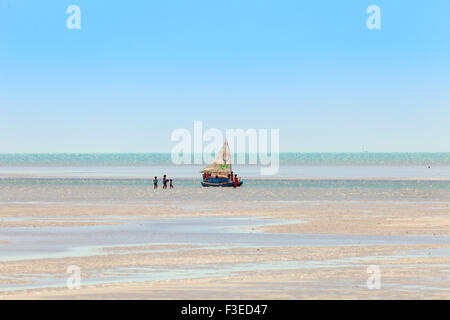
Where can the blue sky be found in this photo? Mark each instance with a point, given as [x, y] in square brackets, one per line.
[137, 70]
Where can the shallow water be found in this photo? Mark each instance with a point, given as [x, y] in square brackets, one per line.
[50, 242]
[209, 232]
[140, 191]
[291, 171]
[128, 186]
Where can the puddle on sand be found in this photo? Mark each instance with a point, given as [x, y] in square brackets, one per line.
[57, 242]
[193, 271]
[206, 232]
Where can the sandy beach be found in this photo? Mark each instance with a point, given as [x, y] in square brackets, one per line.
[270, 250]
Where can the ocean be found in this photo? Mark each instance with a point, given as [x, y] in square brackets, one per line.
[291, 158]
[127, 179]
[292, 166]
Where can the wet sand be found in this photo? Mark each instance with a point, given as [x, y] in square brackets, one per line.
[243, 249]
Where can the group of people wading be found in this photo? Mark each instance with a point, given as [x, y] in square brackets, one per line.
[164, 181]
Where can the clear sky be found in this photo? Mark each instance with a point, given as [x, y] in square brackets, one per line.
[137, 70]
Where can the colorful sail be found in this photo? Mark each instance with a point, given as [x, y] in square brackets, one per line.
[221, 166]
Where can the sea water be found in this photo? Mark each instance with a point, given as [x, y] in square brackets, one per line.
[292, 165]
[128, 178]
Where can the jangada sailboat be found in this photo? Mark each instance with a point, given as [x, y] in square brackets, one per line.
[218, 173]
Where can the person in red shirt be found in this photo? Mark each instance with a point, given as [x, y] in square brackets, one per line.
[235, 181]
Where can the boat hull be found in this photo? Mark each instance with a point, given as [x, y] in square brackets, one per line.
[220, 184]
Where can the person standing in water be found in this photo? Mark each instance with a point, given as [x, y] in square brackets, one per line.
[235, 183]
[164, 182]
[171, 185]
[155, 183]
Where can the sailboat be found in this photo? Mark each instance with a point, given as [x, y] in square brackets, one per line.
[217, 173]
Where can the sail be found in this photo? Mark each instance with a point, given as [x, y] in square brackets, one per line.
[221, 166]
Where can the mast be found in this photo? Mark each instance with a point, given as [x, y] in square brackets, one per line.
[228, 148]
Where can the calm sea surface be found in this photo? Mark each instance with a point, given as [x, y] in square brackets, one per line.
[292, 166]
[151, 159]
[127, 178]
